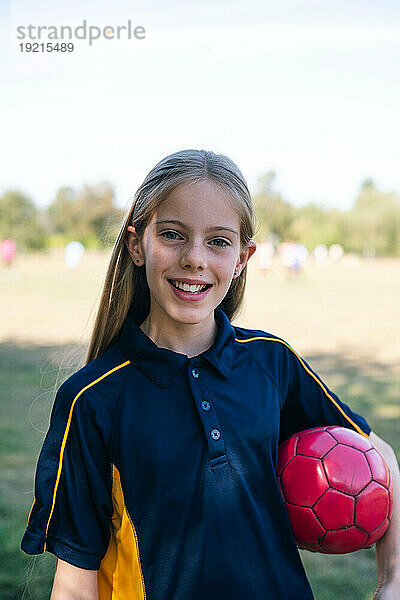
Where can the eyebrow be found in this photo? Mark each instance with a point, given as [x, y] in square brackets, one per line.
[216, 228]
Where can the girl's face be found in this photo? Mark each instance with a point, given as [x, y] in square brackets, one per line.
[194, 234]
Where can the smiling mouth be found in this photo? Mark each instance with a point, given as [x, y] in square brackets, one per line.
[188, 291]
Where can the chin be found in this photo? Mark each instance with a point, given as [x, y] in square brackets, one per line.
[190, 315]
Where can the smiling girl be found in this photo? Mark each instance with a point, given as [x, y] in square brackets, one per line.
[156, 479]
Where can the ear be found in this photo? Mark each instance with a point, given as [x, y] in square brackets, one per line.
[246, 254]
[251, 247]
[132, 243]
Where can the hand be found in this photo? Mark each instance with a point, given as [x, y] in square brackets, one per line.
[389, 590]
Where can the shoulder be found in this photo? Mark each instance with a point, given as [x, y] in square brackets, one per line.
[274, 355]
[274, 351]
[259, 340]
[97, 384]
[271, 353]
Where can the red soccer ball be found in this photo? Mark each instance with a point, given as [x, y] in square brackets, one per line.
[337, 489]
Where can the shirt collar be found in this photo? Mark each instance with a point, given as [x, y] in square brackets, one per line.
[161, 364]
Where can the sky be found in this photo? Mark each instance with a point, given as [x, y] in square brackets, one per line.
[310, 90]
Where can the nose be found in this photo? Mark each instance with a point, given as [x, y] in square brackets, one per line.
[193, 256]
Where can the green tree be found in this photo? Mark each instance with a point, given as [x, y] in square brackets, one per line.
[275, 214]
[19, 219]
[313, 224]
[88, 215]
[373, 224]
[60, 212]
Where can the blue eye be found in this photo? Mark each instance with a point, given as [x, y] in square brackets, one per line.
[174, 233]
[221, 240]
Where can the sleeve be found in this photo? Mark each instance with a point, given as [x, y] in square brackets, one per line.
[308, 402]
[72, 509]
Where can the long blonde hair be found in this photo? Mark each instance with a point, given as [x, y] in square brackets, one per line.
[125, 285]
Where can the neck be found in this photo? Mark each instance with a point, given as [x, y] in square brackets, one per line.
[184, 338]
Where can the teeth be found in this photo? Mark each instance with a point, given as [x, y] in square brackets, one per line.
[188, 288]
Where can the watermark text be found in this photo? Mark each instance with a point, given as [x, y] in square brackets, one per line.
[89, 33]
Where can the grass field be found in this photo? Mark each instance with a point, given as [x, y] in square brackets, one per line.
[343, 318]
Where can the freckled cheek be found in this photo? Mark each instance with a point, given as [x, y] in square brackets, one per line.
[158, 255]
[223, 270]
[161, 258]
[224, 265]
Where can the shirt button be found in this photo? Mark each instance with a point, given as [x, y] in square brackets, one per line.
[215, 434]
[195, 373]
[205, 405]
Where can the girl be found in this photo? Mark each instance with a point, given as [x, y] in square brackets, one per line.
[157, 475]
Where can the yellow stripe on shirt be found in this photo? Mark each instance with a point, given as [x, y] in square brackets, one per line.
[356, 427]
[64, 441]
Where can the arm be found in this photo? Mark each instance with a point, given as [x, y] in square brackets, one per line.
[388, 547]
[73, 503]
[73, 583]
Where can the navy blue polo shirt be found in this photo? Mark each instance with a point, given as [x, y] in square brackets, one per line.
[159, 470]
